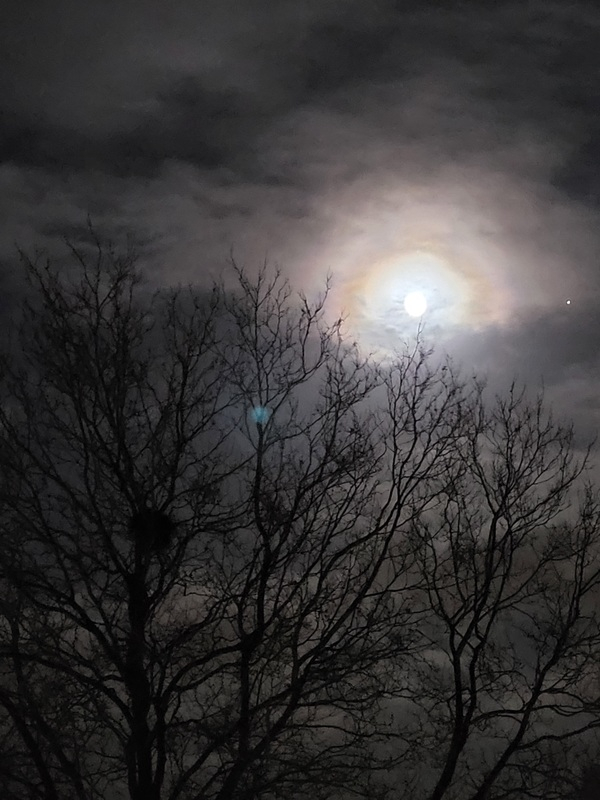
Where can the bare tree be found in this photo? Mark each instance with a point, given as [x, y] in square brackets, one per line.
[234, 547]
[198, 498]
[509, 569]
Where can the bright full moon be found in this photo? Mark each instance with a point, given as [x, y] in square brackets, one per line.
[415, 304]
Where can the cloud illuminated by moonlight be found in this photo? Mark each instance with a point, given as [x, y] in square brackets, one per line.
[459, 294]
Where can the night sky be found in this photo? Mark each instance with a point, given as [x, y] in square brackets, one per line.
[447, 147]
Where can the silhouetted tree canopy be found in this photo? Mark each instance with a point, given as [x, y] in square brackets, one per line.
[242, 559]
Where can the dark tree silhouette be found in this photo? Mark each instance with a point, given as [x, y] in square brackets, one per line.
[151, 529]
[590, 783]
[242, 560]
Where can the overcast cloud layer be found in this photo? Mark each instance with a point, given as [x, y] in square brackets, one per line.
[337, 136]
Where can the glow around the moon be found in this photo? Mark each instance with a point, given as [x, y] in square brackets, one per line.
[415, 304]
[459, 289]
[410, 284]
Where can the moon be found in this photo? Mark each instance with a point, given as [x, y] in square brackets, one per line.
[415, 304]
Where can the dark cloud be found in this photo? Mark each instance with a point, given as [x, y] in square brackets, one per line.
[558, 351]
[333, 55]
[190, 123]
[579, 176]
[545, 347]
